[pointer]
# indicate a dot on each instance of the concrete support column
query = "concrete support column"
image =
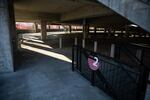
(60, 42)
(70, 29)
(43, 29)
(76, 41)
(49, 26)
(6, 35)
(95, 46)
(36, 27)
(85, 29)
(112, 51)
(95, 29)
(83, 43)
(84, 33)
(104, 30)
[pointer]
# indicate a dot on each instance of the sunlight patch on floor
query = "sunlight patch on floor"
(38, 44)
(47, 53)
(40, 41)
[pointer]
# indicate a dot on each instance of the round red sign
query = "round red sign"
(93, 62)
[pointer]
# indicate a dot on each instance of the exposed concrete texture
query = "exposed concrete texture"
(134, 10)
(54, 10)
(22, 15)
(12, 24)
(110, 20)
(36, 27)
(85, 31)
(43, 29)
(6, 60)
(85, 12)
(41, 77)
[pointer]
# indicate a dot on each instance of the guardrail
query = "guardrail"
(114, 77)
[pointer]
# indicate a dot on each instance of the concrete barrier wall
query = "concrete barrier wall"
(6, 60)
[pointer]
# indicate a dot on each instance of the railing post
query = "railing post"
(80, 58)
(73, 62)
(117, 51)
(77, 58)
(142, 83)
(139, 55)
(143, 78)
(92, 78)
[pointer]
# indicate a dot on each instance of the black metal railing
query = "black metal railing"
(114, 77)
(141, 67)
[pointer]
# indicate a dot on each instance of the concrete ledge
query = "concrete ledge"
(135, 11)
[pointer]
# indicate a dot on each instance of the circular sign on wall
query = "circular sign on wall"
(93, 62)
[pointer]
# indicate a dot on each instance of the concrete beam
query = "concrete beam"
(21, 15)
(134, 10)
(110, 19)
(6, 56)
(86, 12)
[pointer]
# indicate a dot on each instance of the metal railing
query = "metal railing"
(114, 77)
(143, 69)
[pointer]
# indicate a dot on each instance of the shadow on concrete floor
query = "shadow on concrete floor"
(41, 77)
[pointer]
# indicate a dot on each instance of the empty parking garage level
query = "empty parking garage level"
(74, 49)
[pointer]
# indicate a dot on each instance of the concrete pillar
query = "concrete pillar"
(36, 27)
(112, 51)
(85, 29)
(83, 43)
(6, 35)
(60, 42)
(70, 29)
(76, 41)
(104, 30)
(43, 29)
(95, 46)
(95, 29)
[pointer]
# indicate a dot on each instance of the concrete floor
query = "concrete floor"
(41, 77)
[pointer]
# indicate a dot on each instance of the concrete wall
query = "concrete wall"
(134, 10)
(6, 60)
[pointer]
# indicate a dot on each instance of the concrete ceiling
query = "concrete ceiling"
(62, 11)
(48, 6)
(66, 9)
